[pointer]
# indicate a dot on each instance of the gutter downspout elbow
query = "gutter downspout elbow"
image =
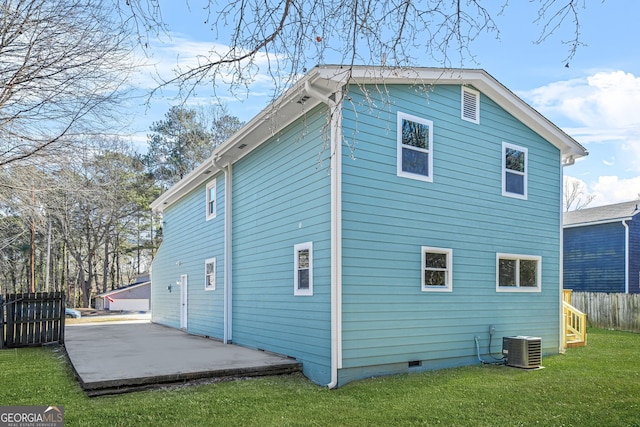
(336, 230)
(316, 94)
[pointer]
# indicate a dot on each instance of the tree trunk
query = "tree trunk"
(105, 266)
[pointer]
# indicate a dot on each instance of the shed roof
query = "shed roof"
(327, 80)
(602, 214)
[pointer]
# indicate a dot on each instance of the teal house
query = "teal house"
(372, 221)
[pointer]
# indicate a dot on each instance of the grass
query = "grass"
(597, 385)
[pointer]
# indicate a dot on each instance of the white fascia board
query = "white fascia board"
(600, 222)
(275, 117)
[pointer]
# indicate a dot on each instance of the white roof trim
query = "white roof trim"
(329, 79)
(602, 221)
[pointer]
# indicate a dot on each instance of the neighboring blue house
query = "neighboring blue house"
(602, 249)
(372, 221)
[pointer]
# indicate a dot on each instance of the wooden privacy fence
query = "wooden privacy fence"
(610, 311)
(32, 319)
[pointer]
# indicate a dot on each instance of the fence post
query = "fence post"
(1, 322)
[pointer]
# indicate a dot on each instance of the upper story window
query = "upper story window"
(210, 274)
(518, 273)
(211, 200)
(415, 147)
(303, 269)
(437, 269)
(514, 171)
(470, 105)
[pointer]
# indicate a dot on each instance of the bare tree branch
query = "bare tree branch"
(576, 195)
(281, 38)
(63, 68)
(552, 16)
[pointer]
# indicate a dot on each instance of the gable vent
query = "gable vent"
(470, 105)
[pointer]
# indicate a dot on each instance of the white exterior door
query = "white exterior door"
(183, 301)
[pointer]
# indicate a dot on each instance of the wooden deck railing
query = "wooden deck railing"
(575, 326)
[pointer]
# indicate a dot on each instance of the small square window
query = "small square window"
(518, 273)
(210, 274)
(303, 269)
(211, 200)
(437, 269)
(514, 171)
(414, 147)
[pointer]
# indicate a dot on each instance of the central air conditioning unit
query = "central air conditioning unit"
(522, 351)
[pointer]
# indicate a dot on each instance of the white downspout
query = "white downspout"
(335, 110)
(570, 161)
(626, 256)
(228, 255)
(227, 305)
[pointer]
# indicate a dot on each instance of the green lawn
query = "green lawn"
(597, 385)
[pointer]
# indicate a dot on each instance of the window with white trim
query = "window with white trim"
(514, 171)
(415, 147)
(518, 273)
(303, 269)
(437, 269)
(211, 200)
(210, 274)
(470, 105)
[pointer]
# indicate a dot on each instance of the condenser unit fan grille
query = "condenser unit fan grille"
(522, 351)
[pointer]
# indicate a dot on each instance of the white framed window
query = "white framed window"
(470, 105)
(415, 147)
(437, 271)
(303, 269)
(514, 170)
(211, 200)
(210, 274)
(518, 273)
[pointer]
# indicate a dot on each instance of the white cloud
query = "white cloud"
(604, 100)
(599, 111)
(600, 108)
(607, 190)
(612, 189)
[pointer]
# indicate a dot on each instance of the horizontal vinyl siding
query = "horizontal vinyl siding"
(282, 198)
(594, 258)
(386, 220)
(188, 240)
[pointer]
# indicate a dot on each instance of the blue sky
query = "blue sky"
(593, 100)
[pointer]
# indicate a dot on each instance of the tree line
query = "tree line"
(74, 197)
(81, 223)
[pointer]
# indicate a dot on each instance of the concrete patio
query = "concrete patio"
(120, 357)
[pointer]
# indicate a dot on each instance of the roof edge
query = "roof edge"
(329, 78)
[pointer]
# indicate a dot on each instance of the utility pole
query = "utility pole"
(33, 241)
(46, 277)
